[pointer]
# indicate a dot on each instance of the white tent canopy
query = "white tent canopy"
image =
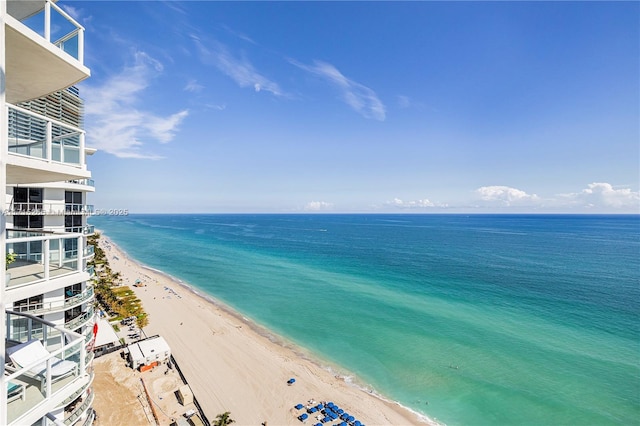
(105, 335)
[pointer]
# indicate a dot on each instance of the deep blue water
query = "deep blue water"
(491, 319)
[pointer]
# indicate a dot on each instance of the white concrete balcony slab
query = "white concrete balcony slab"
(44, 50)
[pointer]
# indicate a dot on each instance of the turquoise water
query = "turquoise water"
(468, 319)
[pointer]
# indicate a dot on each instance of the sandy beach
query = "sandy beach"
(232, 365)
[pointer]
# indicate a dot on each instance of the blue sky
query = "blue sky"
(416, 107)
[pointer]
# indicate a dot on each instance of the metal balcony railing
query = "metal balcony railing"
(39, 256)
(36, 136)
(57, 27)
(17, 209)
(86, 182)
(61, 305)
(36, 377)
(79, 320)
(79, 410)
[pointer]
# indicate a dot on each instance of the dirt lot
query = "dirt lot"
(120, 398)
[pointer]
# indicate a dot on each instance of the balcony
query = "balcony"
(79, 410)
(49, 307)
(80, 320)
(51, 209)
(42, 388)
(44, 50)
(41, 256)
(42, 149)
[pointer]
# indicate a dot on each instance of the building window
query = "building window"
(28, 221)
(73, 223)
(72, 290)
(73, 201)
(27, 199)
(30, 304)
(72, 313)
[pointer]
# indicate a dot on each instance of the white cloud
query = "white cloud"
(414, 204)
(114, 123)
(603, 195)
(359, 97)
(239, 70)
(506, 195)
(72, 11)
(193, 86)
(315, 206)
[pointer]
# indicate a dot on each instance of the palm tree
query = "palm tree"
(223, 419)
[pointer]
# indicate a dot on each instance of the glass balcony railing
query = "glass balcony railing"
(40, 256)
(77, 411)
(43, 362)
(36, 136)
(80, 320)
(51, 209)
(60, 305)
(57, 27)
(89, 251)
(86, 182)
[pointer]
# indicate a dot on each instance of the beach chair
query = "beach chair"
(27, 353)
(15, 391)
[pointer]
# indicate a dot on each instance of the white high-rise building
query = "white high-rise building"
(46, 293)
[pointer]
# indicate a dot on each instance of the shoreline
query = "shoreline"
(323, 373)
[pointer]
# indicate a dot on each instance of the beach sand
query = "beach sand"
(232, 365)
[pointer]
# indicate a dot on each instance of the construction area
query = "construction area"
(155, 396)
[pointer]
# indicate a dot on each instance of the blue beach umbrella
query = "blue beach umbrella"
(350, 419)
(299, 406)
(326, 419)
(291, 381)
(303, 416)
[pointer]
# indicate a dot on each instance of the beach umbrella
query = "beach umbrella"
(350, 419)
(340, 411)
(326, 419)
(357, 423)
(299, 406)
(291, 381)
(303, 416)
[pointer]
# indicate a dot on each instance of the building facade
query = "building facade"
(46, 293)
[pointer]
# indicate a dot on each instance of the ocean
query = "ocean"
(468, 319)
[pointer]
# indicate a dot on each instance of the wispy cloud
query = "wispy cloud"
(114, 123)
(316, 206)
(239, 69)
(193, 86)
(359, 97)
(414, 204)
